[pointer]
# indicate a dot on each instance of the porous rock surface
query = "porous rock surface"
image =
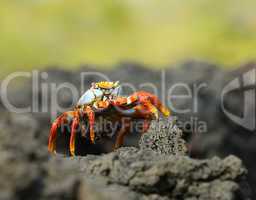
(164, 137)
(29, 172)
(151, 175)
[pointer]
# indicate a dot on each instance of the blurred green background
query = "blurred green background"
(39, 33)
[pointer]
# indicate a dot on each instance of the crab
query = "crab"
(103, 100)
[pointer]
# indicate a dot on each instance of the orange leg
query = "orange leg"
(54, 131)
(74, 127)
(53, 136)
(146, 98)
(125, 128)
(151, 109)
(158, 104)
(91, 117)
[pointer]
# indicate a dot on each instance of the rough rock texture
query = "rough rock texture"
(150, 174)
(29, 172)
(164, 137)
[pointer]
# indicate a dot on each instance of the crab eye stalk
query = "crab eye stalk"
(115, 92)
(93, 85)
(116, 84)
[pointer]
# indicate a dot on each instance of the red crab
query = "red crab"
(124, 111)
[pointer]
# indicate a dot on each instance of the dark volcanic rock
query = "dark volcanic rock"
(28, 172)
(170, 177)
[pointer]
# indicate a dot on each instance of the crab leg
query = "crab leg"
(164, 110)
(91, 117)
(74, 126)
(146, 98)
(152, 109)
(126, 124)
(53, 133)
(158, 104)
(53, 137)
